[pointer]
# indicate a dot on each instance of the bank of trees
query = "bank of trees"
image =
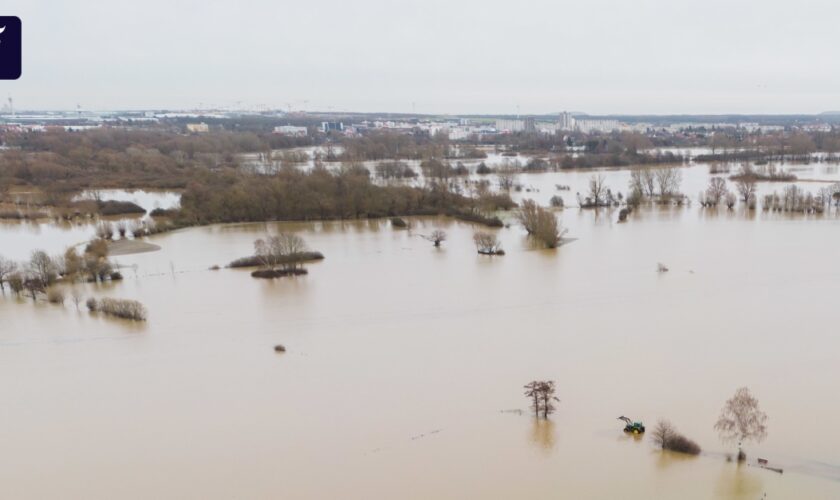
(41, 271)
(655, 183)
(319, 195)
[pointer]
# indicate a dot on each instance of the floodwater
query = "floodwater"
(405, 364)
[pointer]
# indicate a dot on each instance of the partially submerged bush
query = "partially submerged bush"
(398, 222)
(487, 244)
(255, 261)
(623, 213)
(478, 218)
(114, 207)
(278, 273)
(120, 308)
(665, 435)
(55, 296)
(540, 223)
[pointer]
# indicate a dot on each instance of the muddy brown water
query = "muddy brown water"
(404, 360)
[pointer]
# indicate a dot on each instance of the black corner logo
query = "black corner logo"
(10, 51)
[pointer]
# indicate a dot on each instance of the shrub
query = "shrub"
(122, 308)
(483, 169)
(398, 222)
(164, 212)
(254, 261)
(55, 296)
(682, 444)
(623, 213)
(114, 207)
(487, 244)
(278, 273)
(478, 218)
(92, 304)
(666, 436)
(556, 201)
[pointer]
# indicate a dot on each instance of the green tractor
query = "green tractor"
(632, 427)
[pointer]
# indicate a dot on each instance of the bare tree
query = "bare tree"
(262, 251)
(73, 262)
(527, 215)
(597, 189)
(648, 179)
(663, 433)
(290, 248)
(283, 249)
(716, 191)
(437, 237)
(105, 231)
(541, 223)
(507, 175)
(487, 243)
(43, 267)
(741, 420)
(668, 179)
(76, 296)
(33, 286)
(666, 436)
(7, 268)
(637, 183)
(730, 199)
(16, 283)
(746, 188)
(541, 393)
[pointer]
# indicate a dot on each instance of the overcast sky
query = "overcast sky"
(432, 56)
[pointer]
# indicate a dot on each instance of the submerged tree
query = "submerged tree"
(716, 191)
(746, 188)
(7, 268)
(541, 393)
(662, 433)
(487, 243)
(665, 436)
(741, 420)
(540, 223)
(437, 237)
(285, 249)
(668, 179)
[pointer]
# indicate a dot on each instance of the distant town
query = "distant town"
(305, 123)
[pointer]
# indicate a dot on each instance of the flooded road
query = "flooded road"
(405, 363)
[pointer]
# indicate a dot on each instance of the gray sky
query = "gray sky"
(435, 56)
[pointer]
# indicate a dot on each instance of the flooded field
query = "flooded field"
(405, 363)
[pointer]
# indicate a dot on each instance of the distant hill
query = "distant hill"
(830, 113)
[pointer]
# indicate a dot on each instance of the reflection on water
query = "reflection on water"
(739, 481)
(543, 434)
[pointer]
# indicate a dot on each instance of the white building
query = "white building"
(594, 125)
(508, 126)
(197, 128)
(565, 121)
(291, 131)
